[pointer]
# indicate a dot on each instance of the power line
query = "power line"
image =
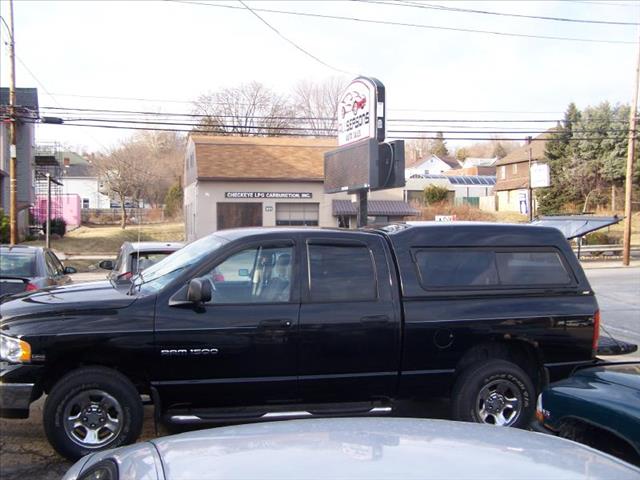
(412, 25)
(70, 110)
(486, 12)
(406, 137)
(291, 42)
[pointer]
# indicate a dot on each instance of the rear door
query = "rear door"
(349, 320)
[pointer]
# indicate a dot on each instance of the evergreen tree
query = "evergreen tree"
(439, 146)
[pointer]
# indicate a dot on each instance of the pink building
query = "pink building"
(68, 204)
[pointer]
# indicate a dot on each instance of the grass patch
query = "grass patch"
(96, 240)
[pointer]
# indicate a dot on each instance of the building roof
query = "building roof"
(452, 162)
(512, 184)
(479, 180)
(25, 97)
(521, 154)
(479, 162)
(389, 208)
(261, 158)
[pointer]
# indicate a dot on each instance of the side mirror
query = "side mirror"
(68, 270)
(106, 264)
(199, 291)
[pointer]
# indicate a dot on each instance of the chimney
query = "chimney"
(66, 162)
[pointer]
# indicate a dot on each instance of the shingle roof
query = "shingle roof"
(390, 208)
(259, 158)
(512, 184)
(521, 154)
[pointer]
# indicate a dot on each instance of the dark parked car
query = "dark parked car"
(354, 449)
(598, 406)
(26, 269)
(259, 323)
(136, 256)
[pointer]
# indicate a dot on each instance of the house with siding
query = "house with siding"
(512, 175)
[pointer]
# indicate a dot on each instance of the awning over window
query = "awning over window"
(387, 208)
(573, 226)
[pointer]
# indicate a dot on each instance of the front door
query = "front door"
(240, 214)
(241, 347)
(349, 326)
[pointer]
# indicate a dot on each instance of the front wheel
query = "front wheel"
(495, 392)
(92, 409)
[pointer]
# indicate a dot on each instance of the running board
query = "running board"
(191, 418)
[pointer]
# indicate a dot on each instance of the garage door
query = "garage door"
(234, 215)
(297, 214)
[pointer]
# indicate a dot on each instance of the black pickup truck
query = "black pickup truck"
(260, 323)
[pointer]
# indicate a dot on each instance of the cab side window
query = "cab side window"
(254, 275)
(341, 273)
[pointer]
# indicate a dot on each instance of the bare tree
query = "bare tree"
(249, 109)
(122, 176)
(162, 156)
(316, 104)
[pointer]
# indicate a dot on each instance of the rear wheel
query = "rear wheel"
(92, 409)
(495, 392)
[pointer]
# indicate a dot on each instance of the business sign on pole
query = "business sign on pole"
(540, 175)
(361, 111)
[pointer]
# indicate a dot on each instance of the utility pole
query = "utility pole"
(48, 224)
(631, 153)
(13, 180)
(530, 190)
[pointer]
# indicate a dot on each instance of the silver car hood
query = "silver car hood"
(371, 448)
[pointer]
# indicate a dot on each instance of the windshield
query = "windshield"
(162, 273)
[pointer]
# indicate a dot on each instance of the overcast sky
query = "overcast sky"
(170, 52)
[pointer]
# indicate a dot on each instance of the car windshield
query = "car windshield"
(17, 264)
(143, 260)
(162, 273)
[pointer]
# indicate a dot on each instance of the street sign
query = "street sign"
(361, 111)
(540, 175)
(445, 218)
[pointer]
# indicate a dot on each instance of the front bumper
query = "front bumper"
(15, 399)
(18, 388)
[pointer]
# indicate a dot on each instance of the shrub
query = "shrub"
(435, 194)
(58, 227)
(173, 201)
(599, 238)
(5, 228)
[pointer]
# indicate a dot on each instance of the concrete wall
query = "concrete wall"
(204, 195)
(509, 200)
(189, 212)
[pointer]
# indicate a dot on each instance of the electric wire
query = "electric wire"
(411, 25)
(428, 6)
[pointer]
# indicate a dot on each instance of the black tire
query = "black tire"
(110, 398)
(469, 401)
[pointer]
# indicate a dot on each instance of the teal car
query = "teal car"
(598, 406)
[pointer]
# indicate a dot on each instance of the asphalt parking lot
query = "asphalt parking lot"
(25, 452)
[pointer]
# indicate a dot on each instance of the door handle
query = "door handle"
(375, 319)
(275, 323)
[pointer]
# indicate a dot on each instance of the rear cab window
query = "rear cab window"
(497, 268)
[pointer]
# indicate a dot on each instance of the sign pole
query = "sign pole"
(362, 208)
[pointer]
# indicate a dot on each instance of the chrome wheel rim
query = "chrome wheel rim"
(499, 403)
(93, 418)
